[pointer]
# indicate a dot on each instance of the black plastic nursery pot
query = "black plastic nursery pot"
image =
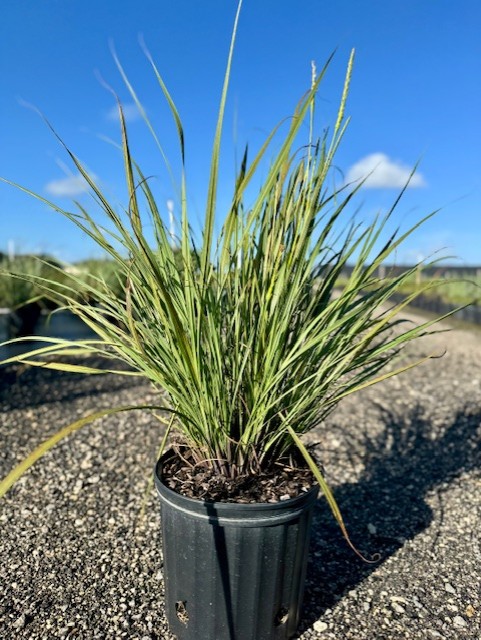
(23, 320)
(233, 571)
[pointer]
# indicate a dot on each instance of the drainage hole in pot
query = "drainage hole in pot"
(281, 617)
(181, 611)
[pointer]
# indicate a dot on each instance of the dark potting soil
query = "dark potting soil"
(275, 485)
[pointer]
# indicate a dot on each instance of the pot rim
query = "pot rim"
(228, 508)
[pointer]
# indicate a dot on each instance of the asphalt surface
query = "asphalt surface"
(78, 560)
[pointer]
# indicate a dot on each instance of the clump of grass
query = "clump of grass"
(94, 274)
(15, 292)
(244, 334)
(454, 291)
(20, 293)
(463, 292)
(456, 288)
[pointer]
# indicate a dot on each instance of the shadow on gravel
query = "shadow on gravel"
(406, 461)
(22, 386)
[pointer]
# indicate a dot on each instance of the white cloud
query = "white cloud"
(68, 187)
(131, 113)
(383, 173)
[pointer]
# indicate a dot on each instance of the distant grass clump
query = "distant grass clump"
(31, 284)
(461, 290)
(20, 292)
(455, 291)
(89, 275)
(14, 291)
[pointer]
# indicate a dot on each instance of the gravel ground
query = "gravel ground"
(78, 561)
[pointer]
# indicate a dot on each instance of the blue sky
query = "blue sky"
(415, 95)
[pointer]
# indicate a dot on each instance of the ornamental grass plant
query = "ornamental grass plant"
(14, 293)
(21, 299)
(247, 333)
